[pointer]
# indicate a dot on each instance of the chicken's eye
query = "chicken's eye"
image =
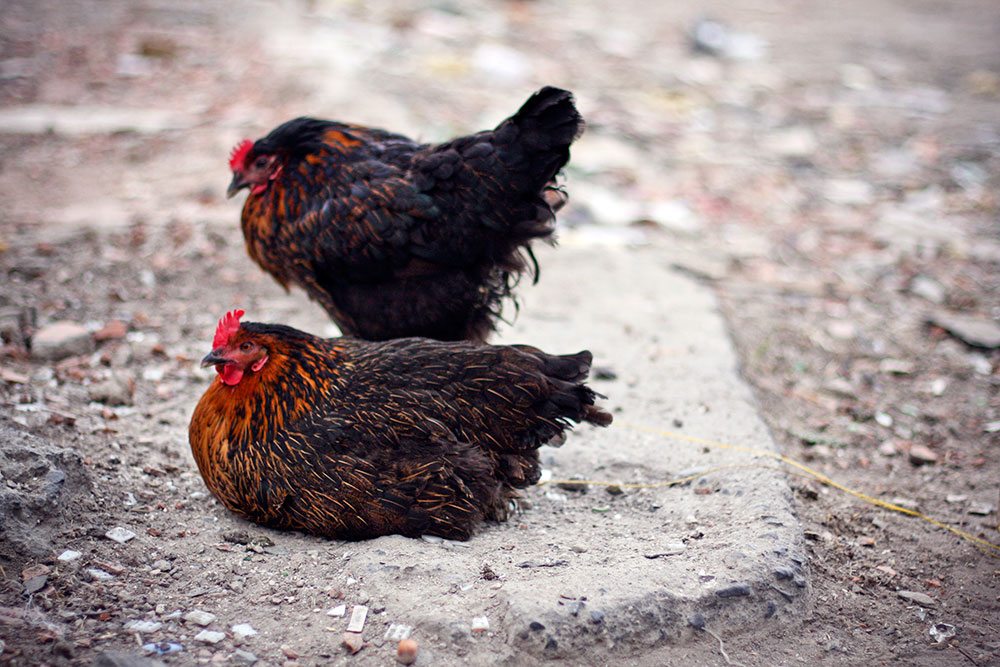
(260, 162)
(246, 347)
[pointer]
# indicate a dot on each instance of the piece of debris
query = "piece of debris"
(480, 623)
(359, 613)
(199, 617)
(970, 329)
(339, 610)
(68, 556)
(60, 340)
(119, 534)
(244, 657)
(143, 626)
(921, 454)
(113, 330)
(397, 631)
(942, 632)
(353, 642)
(921, 599)
(162, 648)
(243, 630)
(210, 636)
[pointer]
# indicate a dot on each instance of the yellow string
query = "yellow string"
(986, 546)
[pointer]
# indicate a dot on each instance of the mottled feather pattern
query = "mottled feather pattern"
(358, 212)
(353, 439)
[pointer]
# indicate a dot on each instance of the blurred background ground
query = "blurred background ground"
(830, 169)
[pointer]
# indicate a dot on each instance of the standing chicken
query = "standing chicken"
(354, 439)
(395, 238)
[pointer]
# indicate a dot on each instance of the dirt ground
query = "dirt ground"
(831, 171)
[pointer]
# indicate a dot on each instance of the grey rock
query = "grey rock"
(199, 617)
(921, 599)
(971, 330)
(60, 340)
(243, 657)
(42, 487)
(739, 590)
(116, 390)
(210, 636)
(929, 289)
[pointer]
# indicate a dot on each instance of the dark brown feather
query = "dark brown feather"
(395, 238)
(353, 439)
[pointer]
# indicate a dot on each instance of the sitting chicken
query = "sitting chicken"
(395, 238)
(353, 439)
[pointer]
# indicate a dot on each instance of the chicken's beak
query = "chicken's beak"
(212, 359)
(237, 184)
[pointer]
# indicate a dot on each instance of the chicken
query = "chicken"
(394, 238)
(354, 439)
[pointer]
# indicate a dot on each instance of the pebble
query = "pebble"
(289, 652)
(60, 340)
(245, 657)
(920, 454)
(339, 610)
(921, 599)
(34, 584)
(792, 142)
(199, 617)
(243, 630)
(352, 641)
(210, 636)
(596, 616)
(119, 534)
(846, 192)
(975, 331)
(98, 574)
(116, 390)
(480, 624)
(143, 626)
(928, 289)
(162, 565)
(906, 503)
(68, 556)
(888, 448)
(883, 419)
(112, 330)
(406, 652)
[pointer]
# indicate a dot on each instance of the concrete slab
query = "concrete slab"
(583, 574)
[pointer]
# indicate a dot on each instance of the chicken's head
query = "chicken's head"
(234, 350)
(251, 168)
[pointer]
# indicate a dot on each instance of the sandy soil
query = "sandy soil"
(838, 189)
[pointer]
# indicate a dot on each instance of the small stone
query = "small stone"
(740, 590)
(888, 448)
(972, 330)
(920, 454)
(883, 419)
(162, 565)
(289, 652)
(60, 340)
(143, 626)
(210, 636)
(596, 616)
(116, 390)
(113, 330)
(921, 599)
(955, 498)
(119, 534)
(847, 192)
(352, 641)
(98, 574)
(906, 503)
(792, 142)
(339, 610)
(243, 630)
(842, 329)
(982, 509)
(244, 657)
(199, 617)
(888, 570)
(406, 652)
(480, 624)
(928, 289)
(397, 631)
(866, 541)
(34, 584)
(68, 556)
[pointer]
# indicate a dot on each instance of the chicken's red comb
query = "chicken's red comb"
(238, 155)
(228, 325)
